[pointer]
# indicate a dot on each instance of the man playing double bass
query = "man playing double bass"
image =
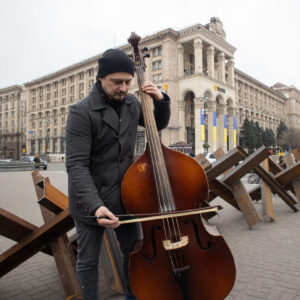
(100, 140)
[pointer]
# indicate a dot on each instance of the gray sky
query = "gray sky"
(39, 37)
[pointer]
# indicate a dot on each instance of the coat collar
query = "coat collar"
(98, 102)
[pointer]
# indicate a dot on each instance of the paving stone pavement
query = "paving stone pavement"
(267, 257)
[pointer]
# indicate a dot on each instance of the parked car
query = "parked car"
(29, 158)
(210, 157)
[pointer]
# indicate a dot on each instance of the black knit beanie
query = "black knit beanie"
(113, 61)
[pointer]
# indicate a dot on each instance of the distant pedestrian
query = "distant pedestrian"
(282, 162)
(62, 159)
(37, 161)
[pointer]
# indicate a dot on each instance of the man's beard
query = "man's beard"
(119, 96)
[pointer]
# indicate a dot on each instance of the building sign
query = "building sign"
(219, 89)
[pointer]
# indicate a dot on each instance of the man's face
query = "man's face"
(116, 85)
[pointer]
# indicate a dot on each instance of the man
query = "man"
(100, 139)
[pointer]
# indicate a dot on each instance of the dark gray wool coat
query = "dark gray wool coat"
(100, 148)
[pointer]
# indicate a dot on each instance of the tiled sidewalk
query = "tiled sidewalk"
(267, 257)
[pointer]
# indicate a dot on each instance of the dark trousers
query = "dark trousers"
(89, 239)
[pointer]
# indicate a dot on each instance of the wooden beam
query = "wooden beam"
(224, 163)
(267, 203)
(289, 199)
(289, 174)
(53, 199)
(239, 192)
(34, 242)
(15, 228)
(61, 248)
(246, 166)
(290, 161)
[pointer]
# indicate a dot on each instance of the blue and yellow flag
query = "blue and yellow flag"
(225, 129)
(214, 126)
(234, 130)
(202, 125)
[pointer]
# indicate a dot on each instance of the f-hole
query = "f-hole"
(208, 244)
(147, 256)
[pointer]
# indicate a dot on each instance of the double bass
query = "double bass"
(182, 257)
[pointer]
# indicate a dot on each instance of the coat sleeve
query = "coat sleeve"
(162, 113)
(78, 150)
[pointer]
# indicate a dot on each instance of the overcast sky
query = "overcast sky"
(39, 37)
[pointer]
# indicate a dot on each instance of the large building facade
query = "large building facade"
(12, 122)
(195, 66)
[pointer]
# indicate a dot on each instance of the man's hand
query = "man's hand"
(152, 90)
(109, 220)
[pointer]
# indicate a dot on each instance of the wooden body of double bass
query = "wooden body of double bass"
(211, 266)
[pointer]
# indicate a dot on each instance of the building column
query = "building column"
(28, 146)
(59, 130)
(211, 123)
(181, 121)
(221, 66)
(180, 61)
(198, 56)
(51, 135)
(232, 127)
(210, 52)
(44, 134)
(199, 126)
(230, 65)
(37, 145)
(221, 127)
(58, 144)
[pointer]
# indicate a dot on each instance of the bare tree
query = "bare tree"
(291, 138)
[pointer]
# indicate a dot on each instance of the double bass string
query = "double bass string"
(167, 202)
(165, 197)
(152, 152)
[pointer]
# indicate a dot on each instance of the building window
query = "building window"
(63, 81)
(63, 91)
(91, 72)
(140, 143)
(63, 101)
(81, 86)
(71, 99)
(91, 83)
(41, 106)
(81, 76)
(154, 66)
(71, 78)
(81, 95)
(157, 78)
(48, 104)
(156, 51)
(55, 94)
(72, 89)
(157, 65)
